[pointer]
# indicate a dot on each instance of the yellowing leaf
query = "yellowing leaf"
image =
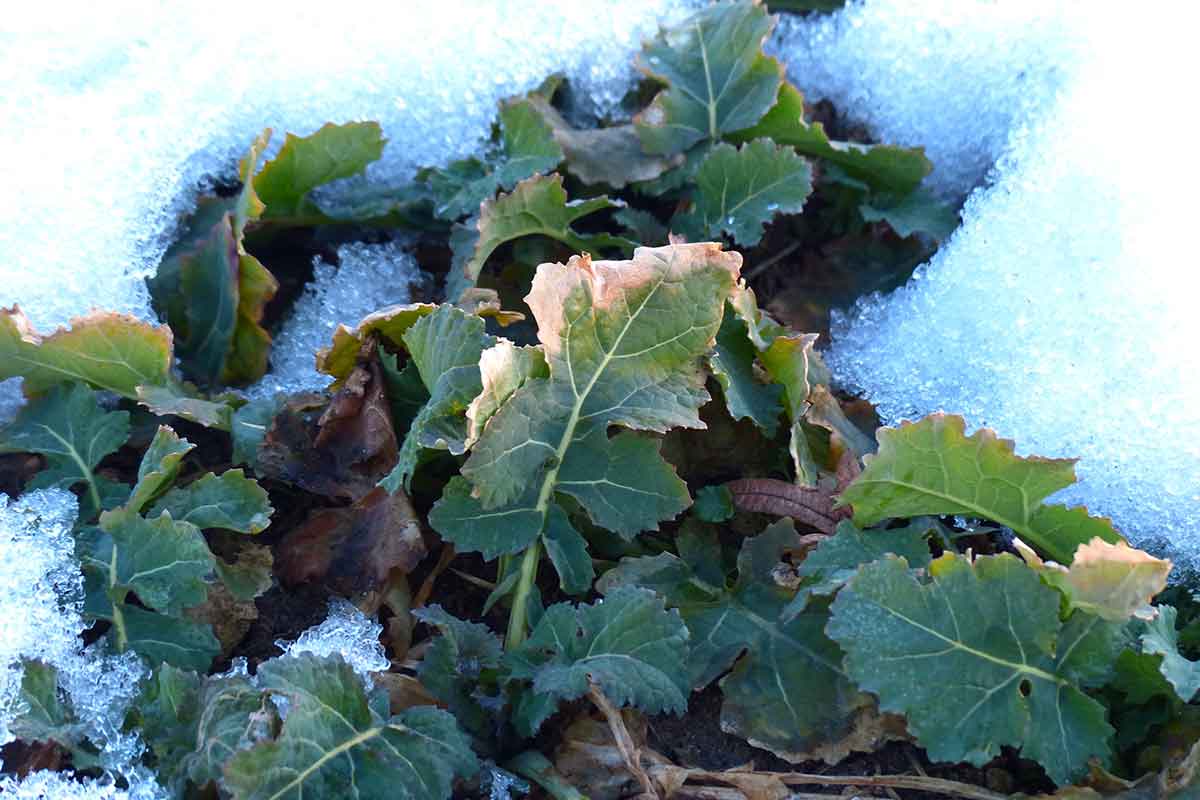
(388, 323)
(932, 467)
(109, 351)
(1112, 581)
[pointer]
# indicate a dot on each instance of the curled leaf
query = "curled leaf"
(1112, 581)
(813, 507)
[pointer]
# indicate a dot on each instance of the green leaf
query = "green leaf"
(629, 644)
(208, 278)
(790, 361)
(171, 640)
(611, 156)
(622, 341)
(714, 504)
(446, 347)
(787, 692)
(106, 350)
(528, 148)
(917, 212)
(568, 552)
(746, 395)
(229, 500)
(388, 324)
(641, 226)
(335, 744)
(159, 467)
(897, 170)
(48, 716)
(837, 558)
(537, 206)
(718, 79)
(454, 663)
(998, 669)
(236, 715)
(304, 163)
(165, 714)
(1161, 638)
(170, 400)
(248, 427)
(68, 427)
(932, 467)
(739, 190)
(504, 368)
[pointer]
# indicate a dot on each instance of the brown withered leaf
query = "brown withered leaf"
(811, 507)
(345, 449)
(352, 550)
(229, 617)
(404, 691)
(590, 760)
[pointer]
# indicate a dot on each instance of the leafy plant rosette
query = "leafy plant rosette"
(639, 444)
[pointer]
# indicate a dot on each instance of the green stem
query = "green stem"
(520, 606)
(536, 767)
(118, 616)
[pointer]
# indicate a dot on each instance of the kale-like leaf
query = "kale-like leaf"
(718, 80)
(787, 691)
(337, 742)
(932, 467)
(629, 644)
(454, 665)
(1160, 638)
(229, 500)
(305, 162)
(977, 658)
(747, 395)
(68, 427)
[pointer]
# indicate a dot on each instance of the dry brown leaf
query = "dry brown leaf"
(353, 550)
(229, 617)
(590, 760)
(809, 506)
(404, 691)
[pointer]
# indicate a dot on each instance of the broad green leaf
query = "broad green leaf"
(446, 347)
(159, 467)
(1160, 638)
(898, 170)
(453, 665)
(629, 644)
(835, 560)
(536, 206)
(747, 396)
(406, 392)
(165, 713)
(504, 367)
(336, 744)
(68, 427)
(714, 504)
(789, 360)
(977, 658)
(106, 350)
(641, 226)
(739, 190)
(1113, 581)
(717, 78)
(622, 341)
(304, 163)
(161, 639)
(568, 552)
(208, 278)
(229, 500)
(787, 691)
(388, 324)
(248, 427)
(932, 467)
(170, 400)
(527, 148)
(163, 561)
(236, 715)
(47, 715)
(611, 156)
(917, 212)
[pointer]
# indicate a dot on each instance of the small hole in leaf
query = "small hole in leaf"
(1026, 688)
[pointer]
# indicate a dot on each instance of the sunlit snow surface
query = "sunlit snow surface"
(1063, 312)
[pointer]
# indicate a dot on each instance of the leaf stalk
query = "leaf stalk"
(519, 614)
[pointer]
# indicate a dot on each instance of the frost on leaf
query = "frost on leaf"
(622, 342)
(106, 350)
(717, 78)
(932, 467)
(526, 148)
(454, 663)
(884, 167)
(538, 206)
(977, 658)
(629, 645)
(786, 691)
(337, 741)
(1113, 581)
(68, 427)
(739, 190)
(229, 500)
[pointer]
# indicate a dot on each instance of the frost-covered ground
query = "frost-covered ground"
(1061, 313)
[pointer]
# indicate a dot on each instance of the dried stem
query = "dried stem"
(629, 751)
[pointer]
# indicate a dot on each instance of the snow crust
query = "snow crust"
(347, 632)
(1062, 313)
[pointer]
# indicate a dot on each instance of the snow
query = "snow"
(117, 112)
(346, 632)
(1062, 312)
(334, 296)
